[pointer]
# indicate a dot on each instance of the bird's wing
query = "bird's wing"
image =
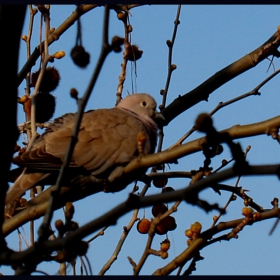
(107, 137)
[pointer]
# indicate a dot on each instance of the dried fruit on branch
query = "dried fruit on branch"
(50, 79)
(80, 57)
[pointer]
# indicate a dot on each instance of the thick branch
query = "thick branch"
(202, 92)
(235, 132)
(134, 202)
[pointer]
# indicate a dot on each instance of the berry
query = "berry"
(121, 16)
(189, 233)
(160, 183)
(59, 225)
(165, 225)
(164, 255)
(167, 189)
(133, 53)
(196, 227)
(165, 245)
(247, 211)
(203, 122)
(143, 226)
(159, 209)
(80, 57)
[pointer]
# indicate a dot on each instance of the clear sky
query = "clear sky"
(209, 38)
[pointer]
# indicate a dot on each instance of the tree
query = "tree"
(200, 182)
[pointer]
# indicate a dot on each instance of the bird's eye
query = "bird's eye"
(143, 103)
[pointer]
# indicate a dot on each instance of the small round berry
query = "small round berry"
(80, 57)
(247, 211)
(165, 225)
(203, 122)
(196, 227)
(160, 183)
(170, 223)
(133, 53)
(121, 16)
(165, 245)
(143, 226)
(189, 233)
(59, 225)
(74, 93)
(159, 209)
(164, 255)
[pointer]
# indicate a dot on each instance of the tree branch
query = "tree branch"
(54, 36)
(202, 92)
(235, 132)
(70, 194)
(134, 202)
(201, 242)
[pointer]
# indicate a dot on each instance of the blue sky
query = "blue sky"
(209, 38)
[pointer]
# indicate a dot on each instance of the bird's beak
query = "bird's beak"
(158, 118)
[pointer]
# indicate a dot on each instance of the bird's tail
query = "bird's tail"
(23, 183)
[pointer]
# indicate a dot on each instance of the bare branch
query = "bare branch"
(235, 132)
(202, 92)
(201, 242)
(54, 36)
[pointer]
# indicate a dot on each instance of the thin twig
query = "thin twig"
(105, 50)
(89, 265)
(100, 233)
(202, 241)
(84, 265)
(239, 192)
(127, 45)
(53, 37)
(254, 91)
(230, 199)
(112, 216)
(203, 91)
(124, 235)
(41, 74)
(171, 68)
(151, 233)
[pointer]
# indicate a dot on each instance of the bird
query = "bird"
(107, 141)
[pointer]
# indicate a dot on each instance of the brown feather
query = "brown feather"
(107, 141)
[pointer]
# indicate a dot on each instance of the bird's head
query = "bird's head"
(142, 104)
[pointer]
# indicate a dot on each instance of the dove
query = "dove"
(107, 141)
